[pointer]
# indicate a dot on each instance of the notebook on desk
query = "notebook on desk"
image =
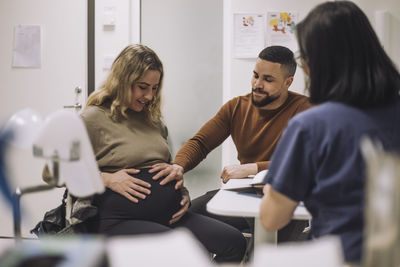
(252, 185)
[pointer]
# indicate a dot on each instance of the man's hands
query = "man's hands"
(172, 172)
(238, 171)
(126, 185)
(185, 202)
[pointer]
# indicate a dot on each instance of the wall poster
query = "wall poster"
(27, 43)
(280, 29)
(248, 35)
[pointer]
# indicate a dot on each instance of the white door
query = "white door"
(46, 88)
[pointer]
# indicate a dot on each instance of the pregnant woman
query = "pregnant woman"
(123, 120)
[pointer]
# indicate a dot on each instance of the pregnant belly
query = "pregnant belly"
(159, 206)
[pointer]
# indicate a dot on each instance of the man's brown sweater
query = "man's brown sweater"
(254, 130)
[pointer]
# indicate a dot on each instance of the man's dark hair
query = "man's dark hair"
(345, 59)
(281, 55)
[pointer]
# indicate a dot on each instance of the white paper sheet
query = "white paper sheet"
(245, 182)
(26, 52)
(237, 183)
(249, 35)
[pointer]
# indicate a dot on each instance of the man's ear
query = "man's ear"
(289, 81)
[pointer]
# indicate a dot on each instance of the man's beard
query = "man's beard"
(266, 100)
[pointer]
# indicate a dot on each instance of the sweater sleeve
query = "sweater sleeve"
(211, 135)
(262, 165)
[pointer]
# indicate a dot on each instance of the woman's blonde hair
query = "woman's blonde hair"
(130, 66)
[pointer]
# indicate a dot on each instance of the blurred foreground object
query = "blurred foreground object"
(382, 229)
(154, 250)
(325, 251)
(62, 140)
(72, 251)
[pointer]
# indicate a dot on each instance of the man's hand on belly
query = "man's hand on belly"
(185, 205)
(171, 171)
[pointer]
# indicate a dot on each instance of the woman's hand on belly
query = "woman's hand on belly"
(171, 171)
(123, 183)
(185, 205)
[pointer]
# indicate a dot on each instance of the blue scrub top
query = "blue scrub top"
(318, 161)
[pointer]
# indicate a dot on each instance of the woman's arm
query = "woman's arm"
(123, 183)
(276, 209)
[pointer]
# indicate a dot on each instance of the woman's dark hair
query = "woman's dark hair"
(345, 59)
(281, 55)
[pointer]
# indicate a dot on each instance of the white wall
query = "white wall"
(237, 72)
(371, 8)
(187, 35)
(45, 89)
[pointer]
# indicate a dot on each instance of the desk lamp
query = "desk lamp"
(62, 140)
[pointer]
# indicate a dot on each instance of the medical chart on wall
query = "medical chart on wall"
(26, 51)
(280, 29)
(249, 35)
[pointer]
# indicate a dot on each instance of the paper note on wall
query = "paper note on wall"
(281, 29)
(249, 35)
(26, 52)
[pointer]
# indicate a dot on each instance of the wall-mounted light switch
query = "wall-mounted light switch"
(109, 16)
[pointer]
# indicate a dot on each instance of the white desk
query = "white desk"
(230, 203)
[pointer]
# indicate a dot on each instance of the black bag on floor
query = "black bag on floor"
(53, 220)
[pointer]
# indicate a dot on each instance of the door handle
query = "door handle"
(76, 106)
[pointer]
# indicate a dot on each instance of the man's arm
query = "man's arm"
(185, 203)
(262, 165)
(211, 135)
(238, 171)
(242, 170)
(276, 209)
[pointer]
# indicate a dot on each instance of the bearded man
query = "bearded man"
(255, 122)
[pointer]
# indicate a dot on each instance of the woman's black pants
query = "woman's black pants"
(119, 216)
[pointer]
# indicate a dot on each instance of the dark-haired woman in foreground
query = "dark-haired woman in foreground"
(318, 160)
